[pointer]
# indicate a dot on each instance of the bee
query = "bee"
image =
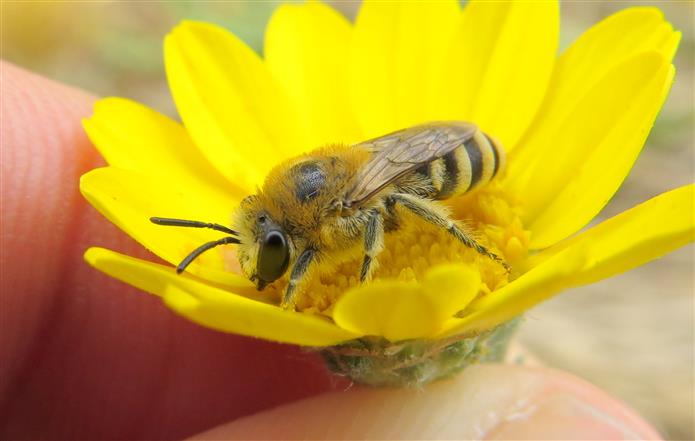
(337, 201)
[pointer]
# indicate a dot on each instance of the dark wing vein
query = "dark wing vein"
(398, 153)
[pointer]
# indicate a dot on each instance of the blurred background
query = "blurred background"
(633, 335)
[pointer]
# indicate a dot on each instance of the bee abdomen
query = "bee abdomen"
(473, 164)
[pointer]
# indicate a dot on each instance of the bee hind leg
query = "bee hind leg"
(430, 214)
(373, 244)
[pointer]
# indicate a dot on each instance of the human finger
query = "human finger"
(484, 402)
(84, 356)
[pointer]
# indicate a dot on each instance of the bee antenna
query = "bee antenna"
(203, 248)
(191, 224)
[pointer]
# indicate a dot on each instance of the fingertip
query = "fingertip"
(485, 402)
(567, 407)
(44, 150)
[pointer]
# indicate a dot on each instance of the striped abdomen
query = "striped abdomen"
(473, 164)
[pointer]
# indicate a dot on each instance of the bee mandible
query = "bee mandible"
(337, 201)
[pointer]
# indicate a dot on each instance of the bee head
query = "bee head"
(265, 249)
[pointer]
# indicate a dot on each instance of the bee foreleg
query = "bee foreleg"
(424, 211)
(298, 271)
(373, 244)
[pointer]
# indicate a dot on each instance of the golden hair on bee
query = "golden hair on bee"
(339, 201)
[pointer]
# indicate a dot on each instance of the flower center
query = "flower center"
(488, 214)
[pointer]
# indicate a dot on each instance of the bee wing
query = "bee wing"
(398, 153)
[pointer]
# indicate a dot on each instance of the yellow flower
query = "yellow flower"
(573, 126)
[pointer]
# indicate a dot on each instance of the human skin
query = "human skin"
(87, 357)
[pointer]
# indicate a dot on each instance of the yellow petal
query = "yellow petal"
(599, 50)
(451, 287)
(586, 158)
(307, 49)
(129, 199)
(499, 65)
(400, 310)
(133, 137)
(233, 108)
(397, 49)
(623, 242)
(216, 308)
(550, 153)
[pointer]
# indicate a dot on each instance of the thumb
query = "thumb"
(485, 402)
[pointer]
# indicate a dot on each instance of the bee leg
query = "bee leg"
(298, 271)
(422, 209)
(373, 244)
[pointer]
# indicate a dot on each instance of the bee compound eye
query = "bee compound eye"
(273, 256)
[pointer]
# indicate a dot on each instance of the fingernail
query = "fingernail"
(566, 416)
